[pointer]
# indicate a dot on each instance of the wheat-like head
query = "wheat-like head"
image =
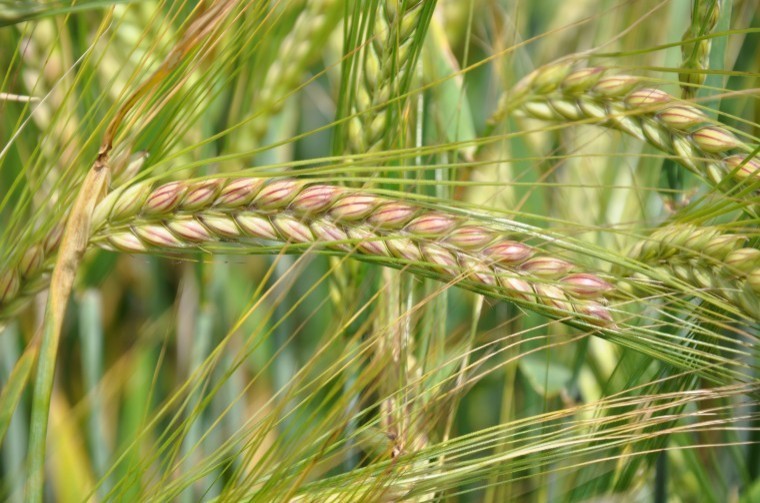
(626, 103)
(191, 214)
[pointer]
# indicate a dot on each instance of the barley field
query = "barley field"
(381, 250)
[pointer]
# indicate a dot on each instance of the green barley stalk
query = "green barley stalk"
(624, 102)
(194, 214)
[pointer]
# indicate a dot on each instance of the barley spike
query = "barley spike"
(626, 103)
(387, 60)
(381, 229)
(707, 258)
(695, 51)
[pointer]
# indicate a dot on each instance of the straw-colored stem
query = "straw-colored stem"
(73, 244)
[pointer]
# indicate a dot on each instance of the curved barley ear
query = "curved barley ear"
(629, 104)
(191, 214)
(707, 258)
(299, 216)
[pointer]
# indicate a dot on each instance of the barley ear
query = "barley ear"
(626, 103)
(184, 215)
(695, 48)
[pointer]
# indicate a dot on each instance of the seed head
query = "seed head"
(553, 296)
(277, 194)
(53, 238)
(566, 108)
(392, 215)
(222, 225)
(469, 237)
(256, 226)
(720, 246)
(700, 277)
(404, 248)
(315, 199)
(509, 252)
(477, 271)
(441, 259)
(31, 261)
(519, 287)
(753, 280)
(127, 203)
(548, 78)
(292, 230)
(657, 134)
(743, 259)
(647, 97)
(158, 235)
(616, 86)
(431, 224)
(591, 108)
(367, 241)
(354, 207)
(189, 229)
(699, 239)
(9, 285)
(201, 195)
(127, 242)
(597, 314)
(743, 168)
(539, 110)
(583, 79)
(128, 170)
(328, 232)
